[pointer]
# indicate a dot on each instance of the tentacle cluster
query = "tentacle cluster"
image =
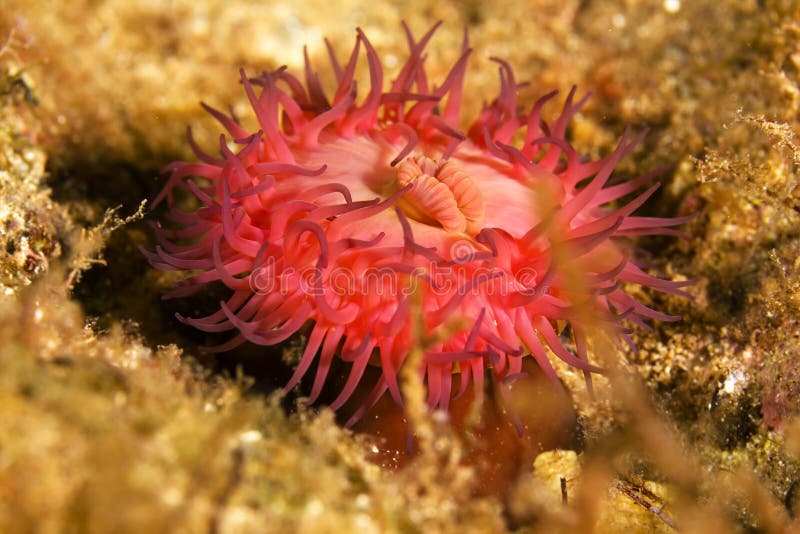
(284, 222)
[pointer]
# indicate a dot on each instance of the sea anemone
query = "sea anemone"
(341, 217)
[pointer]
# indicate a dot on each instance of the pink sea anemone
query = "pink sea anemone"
(343, 216)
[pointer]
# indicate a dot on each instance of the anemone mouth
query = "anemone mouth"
(337, 210)
(441, 193)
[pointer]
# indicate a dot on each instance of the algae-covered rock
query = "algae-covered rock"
(556, 493)
(30, 221)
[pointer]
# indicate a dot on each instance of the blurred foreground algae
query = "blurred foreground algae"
(105, 434)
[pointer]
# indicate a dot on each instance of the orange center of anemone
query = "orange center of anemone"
(441, 193)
